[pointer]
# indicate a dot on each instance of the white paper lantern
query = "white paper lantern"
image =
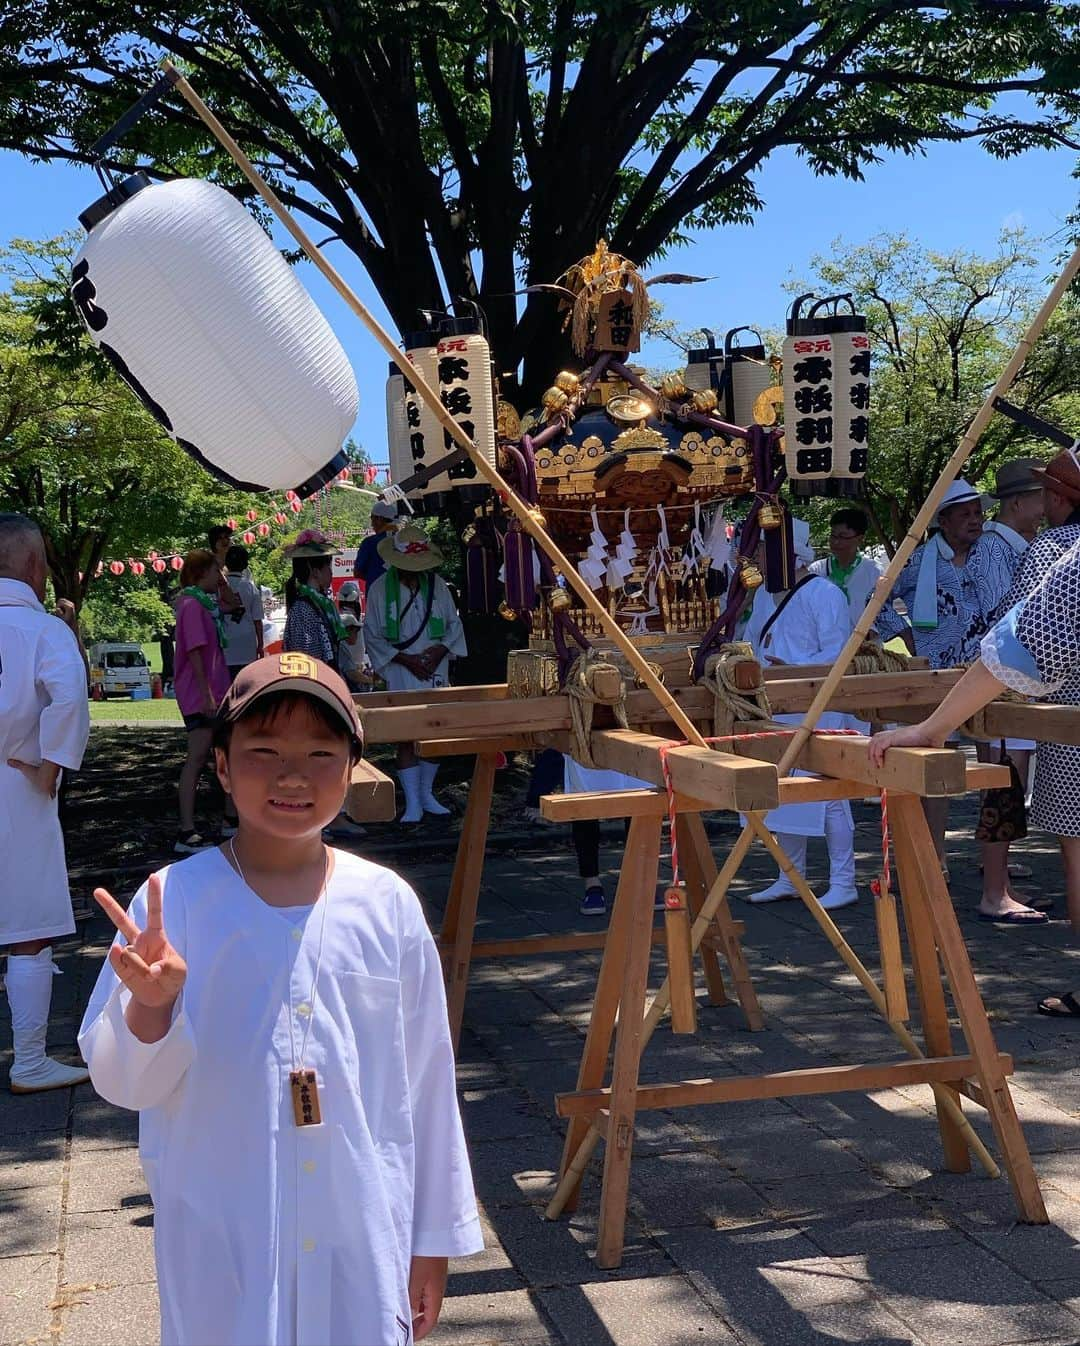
(463, 378)
(703, 367)
(747, 373)
(808, 406)
(425, 432)
(397, 429)
(197, 310)
(851, 402)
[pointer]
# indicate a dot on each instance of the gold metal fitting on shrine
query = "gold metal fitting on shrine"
(567, 381)
(750, 577)
(705, 399)
(555, 401)
(468, 533)
(770, 515)
(538, 518)
(672, 385)
(560, 600)
(506, 612)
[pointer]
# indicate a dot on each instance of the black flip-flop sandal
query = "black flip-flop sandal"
(1071, 1010)
(1014, 917)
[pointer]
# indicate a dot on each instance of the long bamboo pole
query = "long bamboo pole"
(530, 519)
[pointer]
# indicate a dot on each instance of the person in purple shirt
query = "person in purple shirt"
(369, 565)
(201, 679)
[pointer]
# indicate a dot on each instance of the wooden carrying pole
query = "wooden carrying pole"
(529, 518)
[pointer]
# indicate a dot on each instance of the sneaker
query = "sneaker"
(593, 904)
(188, 843)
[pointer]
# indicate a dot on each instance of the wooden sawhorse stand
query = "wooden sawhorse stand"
(937, 948)
(456, 938)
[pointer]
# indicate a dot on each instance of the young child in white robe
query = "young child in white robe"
(274, 1009)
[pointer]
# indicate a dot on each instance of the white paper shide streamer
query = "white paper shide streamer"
(197, 310)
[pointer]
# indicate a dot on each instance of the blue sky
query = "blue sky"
(954, 196)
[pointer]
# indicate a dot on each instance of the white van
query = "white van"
(118, 670)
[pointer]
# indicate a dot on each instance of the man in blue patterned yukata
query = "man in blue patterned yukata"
(948, 588)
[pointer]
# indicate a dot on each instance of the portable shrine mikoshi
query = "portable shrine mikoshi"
(822, 448)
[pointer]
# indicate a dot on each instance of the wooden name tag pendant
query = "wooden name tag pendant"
(305, 1098)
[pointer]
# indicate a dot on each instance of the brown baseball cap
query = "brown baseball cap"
(291, 672)
(1062, 474)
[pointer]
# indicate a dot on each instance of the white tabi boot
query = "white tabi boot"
(795, 848)
(840, 839)
(29, 991)
(410, 783)
(428, 802)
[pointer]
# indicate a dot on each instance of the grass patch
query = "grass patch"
(135, 712)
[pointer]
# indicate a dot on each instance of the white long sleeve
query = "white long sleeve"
(127, 1072)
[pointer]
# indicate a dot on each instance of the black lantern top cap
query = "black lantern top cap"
(117, 194)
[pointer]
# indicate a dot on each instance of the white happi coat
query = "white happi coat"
(860, 583)
(812, 629)
(44, 716)
(381, 653)
(265, 1232)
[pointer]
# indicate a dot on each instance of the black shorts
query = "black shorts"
(198, 721)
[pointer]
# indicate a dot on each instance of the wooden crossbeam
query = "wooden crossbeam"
(481, 691)
(927, 772)
(470, 747)
(1009, 719)
(371, 795)
(720, 778)
(781, 1084)
(615, 804)
(525, 946)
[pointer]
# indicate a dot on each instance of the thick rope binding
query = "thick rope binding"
(733, 699)
(593, 680)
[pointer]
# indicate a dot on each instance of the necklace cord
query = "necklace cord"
(298, 1064)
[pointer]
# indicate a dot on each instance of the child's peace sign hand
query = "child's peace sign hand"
(148, 966)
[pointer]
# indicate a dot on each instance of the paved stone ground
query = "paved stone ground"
(808, 1222)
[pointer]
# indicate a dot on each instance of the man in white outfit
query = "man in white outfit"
(44, 727)
(809, 624)
(412, 630)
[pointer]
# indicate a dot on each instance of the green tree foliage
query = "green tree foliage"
(465, 148)
(943, 326)
(79, 454)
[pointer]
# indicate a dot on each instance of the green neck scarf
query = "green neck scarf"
(203, 598)
(326, 607)
(436, 627)
(841, 574)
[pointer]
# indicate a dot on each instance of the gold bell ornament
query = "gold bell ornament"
(555, 401)
(567, 381)
(749, 575)
(560, 600)
(507, 613)
(705, 400)
(673, 385)
(770, 515)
